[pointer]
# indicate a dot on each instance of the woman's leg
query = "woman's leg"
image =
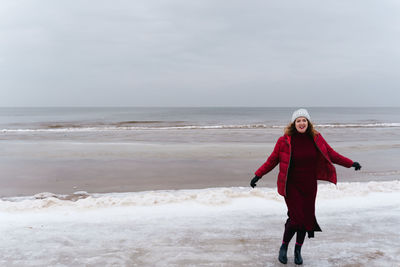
(297, 248)
(289, 232)
(301, 235)
(287, 236)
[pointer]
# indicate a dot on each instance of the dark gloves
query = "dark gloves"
(254, 181)
(356, 165)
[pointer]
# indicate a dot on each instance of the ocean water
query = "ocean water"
(180, 125)
(92, 118)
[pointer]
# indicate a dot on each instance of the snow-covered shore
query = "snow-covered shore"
(208, 227)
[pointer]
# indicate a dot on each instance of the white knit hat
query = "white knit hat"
(300, 113)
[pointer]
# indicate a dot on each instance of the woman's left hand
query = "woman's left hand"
(356, 165)
(254, 181)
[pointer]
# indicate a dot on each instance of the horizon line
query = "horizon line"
(222, 106)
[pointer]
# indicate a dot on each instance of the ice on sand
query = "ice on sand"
(208, 227)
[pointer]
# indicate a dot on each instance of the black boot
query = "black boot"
(283, 253)
(297, 255)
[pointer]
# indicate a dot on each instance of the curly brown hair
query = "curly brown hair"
(291, 129)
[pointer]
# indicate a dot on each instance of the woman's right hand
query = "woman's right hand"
(356, 165)
(254, 181)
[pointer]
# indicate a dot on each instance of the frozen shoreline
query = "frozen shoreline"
(208, 227)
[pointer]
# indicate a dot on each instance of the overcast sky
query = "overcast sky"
(200, 53)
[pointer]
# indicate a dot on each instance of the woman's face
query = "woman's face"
(301, 124)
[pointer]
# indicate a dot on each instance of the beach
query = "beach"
(170, 187)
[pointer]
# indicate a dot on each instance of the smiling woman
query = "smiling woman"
(304, 158)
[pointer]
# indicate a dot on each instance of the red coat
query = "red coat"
(281, 154)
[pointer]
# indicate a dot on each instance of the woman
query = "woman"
(304, 157)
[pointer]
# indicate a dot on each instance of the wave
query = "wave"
(127, 128)
(124, 126)
(360, 125)
(209, 196)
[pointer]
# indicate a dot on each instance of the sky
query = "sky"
(200, 53)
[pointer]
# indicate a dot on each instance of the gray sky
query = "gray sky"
(200, 53)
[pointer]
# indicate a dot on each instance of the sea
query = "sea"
(164, 186)
(97, 119)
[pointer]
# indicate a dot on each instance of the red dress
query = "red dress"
(301, 185)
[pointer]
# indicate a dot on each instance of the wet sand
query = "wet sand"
(64, 167)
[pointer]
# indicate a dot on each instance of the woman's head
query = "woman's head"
(301, 123)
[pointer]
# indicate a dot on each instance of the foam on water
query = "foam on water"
(102, 128)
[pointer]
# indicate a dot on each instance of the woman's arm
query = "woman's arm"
(336, 157)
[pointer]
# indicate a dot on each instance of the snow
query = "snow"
(207, 227)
